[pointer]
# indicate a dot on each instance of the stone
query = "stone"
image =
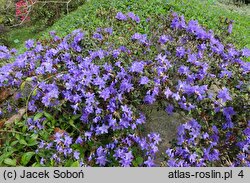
(164, 124)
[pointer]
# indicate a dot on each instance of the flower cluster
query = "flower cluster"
(181, 66)
(22, 9)
(62, 142)
(188, 151)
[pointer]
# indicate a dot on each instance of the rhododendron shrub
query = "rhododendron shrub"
(22, 10)
(85, 93)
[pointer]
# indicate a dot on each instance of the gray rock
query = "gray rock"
(164, 124)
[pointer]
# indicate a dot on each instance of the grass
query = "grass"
(94, 14)
(210, 14)
(17, 36)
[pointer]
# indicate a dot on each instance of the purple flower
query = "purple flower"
(247, 132)
(109, 30)
(79, 140)
(126, 86)
(133, 17)
(192, 58)
(180, 52)
(121, 16)
(38, 48)
(192, 157)
(102, 129)
(78, 36)
(224, 95)
(140, 37)
(202, 47)
(67, 141)
(76, 155)
(214, 155)
(192, 26)
(29, 44)
(41, 144)
(98, 36)
(201, 34)
(228, 124)
(215, 129)
(182, 22)
(99, 82)
(126, 159)
(175, 23)
(169, 109)
(126, 109)
(141, 119)
(228, 112)
(226, 73)
(101, 156)
(105, 93)
(170, 152)
(4, 49)
(155, 137)
(164, 38)
(101, 160)
(230, 27)
(32, 107)
(144, 80)
(205, 135)
(149, 99)
(5, 53)
(116, 53)
(246, 52)
(171, 163)
(58, 137)
(42, 161)
(149, 162)
(176, 96)
(183, 70)
(49, 145)
(137, 67)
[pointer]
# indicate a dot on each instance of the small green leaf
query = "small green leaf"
(36, 165)
(26, 158)
(22, 85)
(32, 142)
(48, 116)
(28, 79)
(139, 160)
(71, 122)
(22, 141)
(17, 136)
(75, 117)
(34, 92)
(34, 136)
(199, 151)
(134, 163)
(11, 162)
(16, 41)
(38, 116)
(75, 164)
(14, 143)
(5, 155)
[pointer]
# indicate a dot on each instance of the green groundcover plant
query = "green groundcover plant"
(95, 13)
(83, 93)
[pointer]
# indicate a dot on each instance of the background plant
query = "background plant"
(210, 14)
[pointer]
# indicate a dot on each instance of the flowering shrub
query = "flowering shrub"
(85, 92)
(22, 10)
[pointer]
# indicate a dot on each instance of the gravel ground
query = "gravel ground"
(227, 4)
